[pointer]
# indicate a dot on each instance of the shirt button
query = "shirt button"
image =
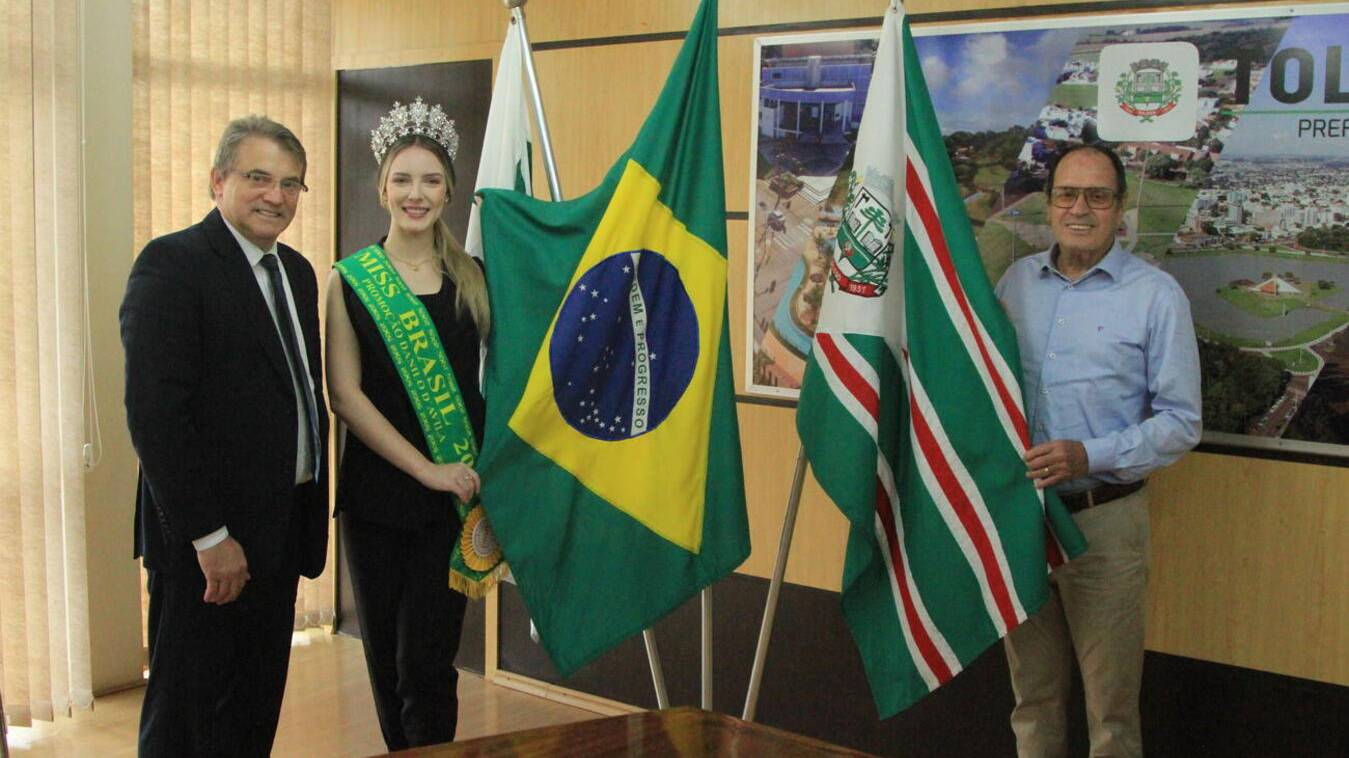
(1060, 320)
(1044, 392)
(1053, 355)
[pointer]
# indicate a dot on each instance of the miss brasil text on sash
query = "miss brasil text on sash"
(417, 353)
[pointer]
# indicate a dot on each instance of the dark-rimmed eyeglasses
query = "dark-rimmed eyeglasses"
(261, 181)
(1098, 198)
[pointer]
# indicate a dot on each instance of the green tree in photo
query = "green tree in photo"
(1326, 238)
(1238, 386)
(1317, 419)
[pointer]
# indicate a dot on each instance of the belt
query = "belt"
(1080, 501)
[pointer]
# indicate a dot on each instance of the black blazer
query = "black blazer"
(211, 406)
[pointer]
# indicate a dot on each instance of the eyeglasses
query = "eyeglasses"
(260, 181)
(1098, 198)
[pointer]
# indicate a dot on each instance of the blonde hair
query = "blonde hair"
(469, 284)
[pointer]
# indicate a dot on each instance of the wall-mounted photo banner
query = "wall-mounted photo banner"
(1234, 129)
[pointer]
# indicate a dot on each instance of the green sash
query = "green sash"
(413, 344)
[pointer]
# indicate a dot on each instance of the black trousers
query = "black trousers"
(410, 625)
(217, 672)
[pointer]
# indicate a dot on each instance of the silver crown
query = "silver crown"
(416, 118)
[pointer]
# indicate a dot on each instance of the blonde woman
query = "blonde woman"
(399, 520)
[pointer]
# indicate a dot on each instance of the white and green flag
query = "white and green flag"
(505, 161)
(911, 410)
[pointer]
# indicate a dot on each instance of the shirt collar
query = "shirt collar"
(251, 251)
(1112, 264)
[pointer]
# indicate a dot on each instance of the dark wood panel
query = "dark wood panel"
(814, 685)
(463, 89)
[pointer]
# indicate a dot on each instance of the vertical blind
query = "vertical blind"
(44, 608)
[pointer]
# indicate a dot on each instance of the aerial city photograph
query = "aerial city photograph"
(1250, 214)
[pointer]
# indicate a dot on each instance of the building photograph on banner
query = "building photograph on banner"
(1233, 126)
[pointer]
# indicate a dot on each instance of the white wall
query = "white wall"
(114, 578)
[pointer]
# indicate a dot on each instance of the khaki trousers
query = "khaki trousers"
(1095, 613)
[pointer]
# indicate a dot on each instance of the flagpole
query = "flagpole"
(775, 585)
(555, 190)
(657, 675)
(536, 96)
(706, 701)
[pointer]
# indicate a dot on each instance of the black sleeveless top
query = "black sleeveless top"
(369, 487)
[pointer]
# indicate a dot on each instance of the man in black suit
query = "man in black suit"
(224, 399)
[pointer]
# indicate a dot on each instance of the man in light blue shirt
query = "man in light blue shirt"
(1111, 374)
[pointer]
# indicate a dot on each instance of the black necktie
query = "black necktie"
(285, 320)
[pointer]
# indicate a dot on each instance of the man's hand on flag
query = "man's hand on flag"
(1056, 461)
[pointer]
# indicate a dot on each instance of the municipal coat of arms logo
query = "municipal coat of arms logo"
(1149, 89)
(862, 264)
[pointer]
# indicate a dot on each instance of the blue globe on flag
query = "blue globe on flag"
(624, 346)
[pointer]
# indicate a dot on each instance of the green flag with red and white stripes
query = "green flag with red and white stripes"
(911, 411)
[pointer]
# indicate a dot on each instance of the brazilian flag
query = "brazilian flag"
(611, 461)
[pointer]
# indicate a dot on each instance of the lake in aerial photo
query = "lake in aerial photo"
(1203, 276)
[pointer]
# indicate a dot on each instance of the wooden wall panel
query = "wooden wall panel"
(590, 127)
(735, 58)
(372, 32)
(737, 259)
(591, 122)
(1249, 561)
(376, 33)
(607, 18)
(768, 445)
(1249, 565)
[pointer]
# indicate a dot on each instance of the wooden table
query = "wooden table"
(683, 732)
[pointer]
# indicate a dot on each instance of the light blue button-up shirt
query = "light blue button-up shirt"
(1109, 360)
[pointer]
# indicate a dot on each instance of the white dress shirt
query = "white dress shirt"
(303, 471)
